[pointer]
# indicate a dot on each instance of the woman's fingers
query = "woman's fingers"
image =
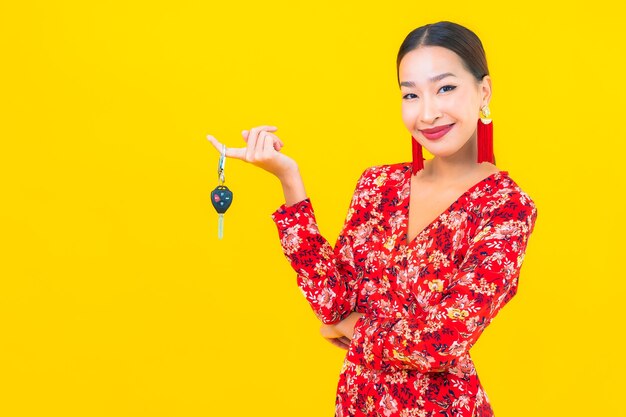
(262, 150)
(238, 153)
(255, 141)
(260, 145)
(255, 131)
(329, 330)
(272, 142)
(339, 342)
(268, 145)
(215, 142)
(346, 326)
(246, 133)
(277, 144)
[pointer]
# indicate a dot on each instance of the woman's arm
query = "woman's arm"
(293, 186)
(486, 280)
(327, 275)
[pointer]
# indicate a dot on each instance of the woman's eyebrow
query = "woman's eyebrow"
(431, 80)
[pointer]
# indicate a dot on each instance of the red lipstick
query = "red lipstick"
(436, 132)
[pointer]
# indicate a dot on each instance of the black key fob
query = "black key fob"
(221, 197)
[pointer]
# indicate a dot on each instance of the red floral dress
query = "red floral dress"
(425, 302)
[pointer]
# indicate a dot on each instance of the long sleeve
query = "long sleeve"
(327, 276)
(485, 281)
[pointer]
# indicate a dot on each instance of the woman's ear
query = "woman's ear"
(485, 90)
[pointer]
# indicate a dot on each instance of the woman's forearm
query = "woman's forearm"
(327, 275)
(293, 187)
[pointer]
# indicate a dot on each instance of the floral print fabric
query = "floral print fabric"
(425, 302)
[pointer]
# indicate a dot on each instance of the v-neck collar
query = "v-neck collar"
(406, 204)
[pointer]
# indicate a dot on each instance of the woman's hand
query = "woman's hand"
(262, 150)
(341, 332)
(346, 326)
(330, 333)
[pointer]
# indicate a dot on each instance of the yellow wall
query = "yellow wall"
(116, 297)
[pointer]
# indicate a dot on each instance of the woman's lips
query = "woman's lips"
(436, 132)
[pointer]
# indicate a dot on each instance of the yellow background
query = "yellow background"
(116, 297)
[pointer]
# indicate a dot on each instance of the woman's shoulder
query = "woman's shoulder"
(384, 172)
(510, 200)
(507, 185)
(387, 168)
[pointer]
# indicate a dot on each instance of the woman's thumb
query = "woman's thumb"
(244, 133)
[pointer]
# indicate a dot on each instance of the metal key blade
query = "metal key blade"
(220, 225)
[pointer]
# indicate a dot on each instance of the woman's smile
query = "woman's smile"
(437, 132)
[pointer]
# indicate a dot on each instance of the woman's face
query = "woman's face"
(430, 99)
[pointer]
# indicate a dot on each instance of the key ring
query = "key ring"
(221, 164)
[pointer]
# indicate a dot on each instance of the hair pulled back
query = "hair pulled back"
(452, 36)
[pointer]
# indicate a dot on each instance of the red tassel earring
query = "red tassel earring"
(418, 158)
(485, 137)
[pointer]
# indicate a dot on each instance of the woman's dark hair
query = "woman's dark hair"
(452, 36)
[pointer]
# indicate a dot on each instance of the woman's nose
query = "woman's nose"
(430, 111)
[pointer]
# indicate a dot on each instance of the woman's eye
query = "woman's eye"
(446, 88)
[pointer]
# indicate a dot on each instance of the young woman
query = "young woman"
(429, 252)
